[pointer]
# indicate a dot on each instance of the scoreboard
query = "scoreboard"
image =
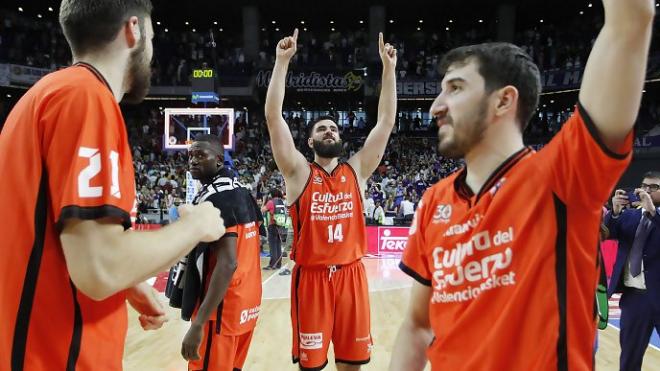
(204, 87)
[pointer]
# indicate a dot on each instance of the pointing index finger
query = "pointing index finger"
(381, 44)
(295, 34)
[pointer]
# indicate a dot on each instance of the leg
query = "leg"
(636, 329)
(278, 249)
(352, 333)
(272, 241)
(311, 317)
(216, 352)
(243, 345)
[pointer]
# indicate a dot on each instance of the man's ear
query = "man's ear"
(506, 100)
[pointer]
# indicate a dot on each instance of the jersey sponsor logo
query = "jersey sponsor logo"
(392, 240)
(331, 206)
(343, 179)
(461, 228)
(442, 214)
(311, 340)
(460, 275)
(248, 315)
(251, 234)
(317, 180)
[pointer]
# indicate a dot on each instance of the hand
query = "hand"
(206, 218)
(152, 322)
(286, 47)
(191, 343)
(142, 298)
(387, 53)
(619, 200)
(646, 201)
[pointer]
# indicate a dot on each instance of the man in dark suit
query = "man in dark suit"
(636, 271)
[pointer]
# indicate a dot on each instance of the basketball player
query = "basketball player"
(226, 301)
(329, 293)
(69, 262)
(504, 252)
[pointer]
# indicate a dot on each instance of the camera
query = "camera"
(632, 196)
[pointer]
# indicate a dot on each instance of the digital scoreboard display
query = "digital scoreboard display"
(203, 80)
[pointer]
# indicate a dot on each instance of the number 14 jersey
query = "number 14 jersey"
(328, 222)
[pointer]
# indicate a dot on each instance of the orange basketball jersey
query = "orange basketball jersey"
(514, 267)
(240, 307)
(64, 153)
(328, 222)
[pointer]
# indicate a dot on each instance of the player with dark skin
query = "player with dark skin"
(205, 160)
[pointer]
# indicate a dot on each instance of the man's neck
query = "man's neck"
(328, 164)
(208, 180)
(490, 153)
(111, 68)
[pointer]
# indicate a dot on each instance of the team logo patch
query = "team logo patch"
(318, 180)
(497, 186)
(442, 214)
(343, 179)
(311, 340)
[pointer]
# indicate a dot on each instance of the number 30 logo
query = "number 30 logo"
(85, 189)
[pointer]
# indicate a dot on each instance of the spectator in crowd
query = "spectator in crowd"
(274, 210)
(407, 209)
(636, 272)
(173, 211)
(369, 207)
(379, 213)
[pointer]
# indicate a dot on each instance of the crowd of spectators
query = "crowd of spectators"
(410, 164)
(177, 52)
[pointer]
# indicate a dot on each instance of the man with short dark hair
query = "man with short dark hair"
(69, 260)
(325, 199)
(224, 303)
(636, 272)
(504, 251)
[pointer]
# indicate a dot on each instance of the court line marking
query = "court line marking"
(274, 274)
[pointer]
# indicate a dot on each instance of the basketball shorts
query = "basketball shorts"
(220, 352)
(330, 304)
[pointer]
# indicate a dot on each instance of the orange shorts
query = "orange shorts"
(330, 304)
(221, 352)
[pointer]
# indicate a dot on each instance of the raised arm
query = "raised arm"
(367, 159)
(614, 75)
(288, 159)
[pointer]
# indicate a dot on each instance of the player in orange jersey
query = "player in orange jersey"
(504, 252)
(69, 262)
(329, 293)
(227, 298)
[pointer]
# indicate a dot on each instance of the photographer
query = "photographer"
(636, 271)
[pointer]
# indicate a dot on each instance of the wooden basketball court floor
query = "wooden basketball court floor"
(271, 344)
